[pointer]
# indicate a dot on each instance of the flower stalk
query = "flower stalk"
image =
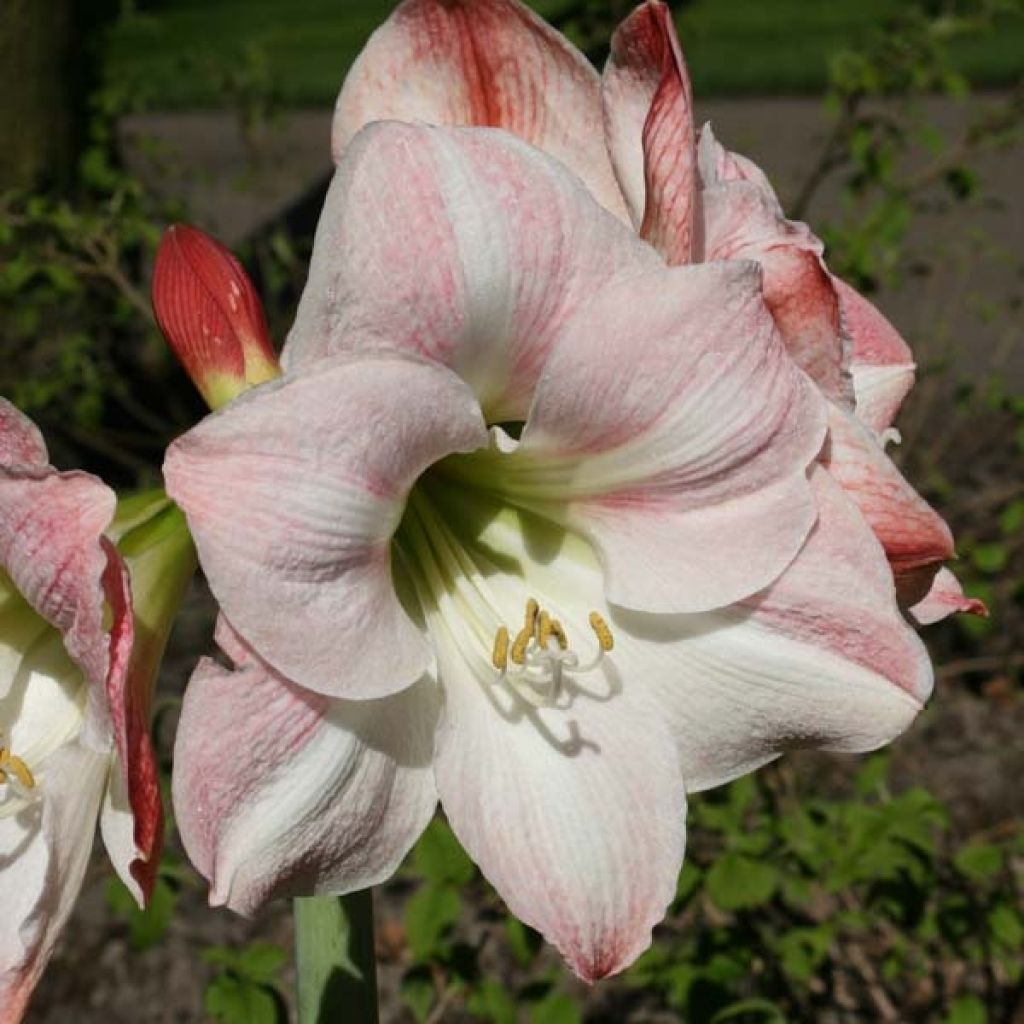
(334, 952)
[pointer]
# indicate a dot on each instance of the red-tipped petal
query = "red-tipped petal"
(945, 598)
(211, 315)
(881, 362)
(648, 115)
(915, 538)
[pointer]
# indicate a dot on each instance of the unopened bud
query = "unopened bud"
(211, 315)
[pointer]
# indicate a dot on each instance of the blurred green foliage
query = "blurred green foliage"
(791, 905)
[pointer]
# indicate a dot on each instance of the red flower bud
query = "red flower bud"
(211, 315)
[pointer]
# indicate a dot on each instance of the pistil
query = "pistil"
(541, 651)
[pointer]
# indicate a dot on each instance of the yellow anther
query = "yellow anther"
(499, 656)
(543, 630)
(530, 620)
(518, 652)
(604, 635)
(559, 634)
(12, 765)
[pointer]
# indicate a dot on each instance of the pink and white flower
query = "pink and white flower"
(631, 136)
(532, 526)
(75, 680)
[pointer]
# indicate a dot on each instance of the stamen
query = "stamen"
(523, 637)
(12, 765)
(530, 619)
(499, 656)
(559, 634)
(544, 631)
(601, 630)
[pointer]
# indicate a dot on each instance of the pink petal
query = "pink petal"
(52, 547)
(685, 467)
(283, 792)
(576, 817)
(915, 538)
(945, 598)
(129, 699)
(292, 493)
(211, 315)
(21, 444)
(743, 220)
(45, 852)
(823, 658)
(882, 364)
(50, 529)
(464, 246)
(487, 63)
(648, 118)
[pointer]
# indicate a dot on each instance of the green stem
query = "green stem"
(337, 967)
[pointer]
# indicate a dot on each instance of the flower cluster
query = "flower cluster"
(568, 498)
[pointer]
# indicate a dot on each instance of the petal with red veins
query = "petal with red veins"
(44, 852)
(915, 538)
(881, 362)
(464, 246)
(648, 117)
(50, 529)
(283, 792)
(486, 63)
(132, 819)
(21, 444)
(822, 658)
(743, 220)
(945, 597)
(575, 816)
(667, 461)
(292, 515)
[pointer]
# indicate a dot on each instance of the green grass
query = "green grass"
(186, 52)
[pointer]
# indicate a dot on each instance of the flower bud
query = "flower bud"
(211, 315)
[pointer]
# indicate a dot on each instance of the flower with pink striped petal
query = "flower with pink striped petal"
(531, 526)
(74, 690)
(451, 62)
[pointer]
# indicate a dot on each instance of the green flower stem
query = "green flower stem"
(335, 959)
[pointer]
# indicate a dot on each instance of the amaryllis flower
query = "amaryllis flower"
(75, 678)
(532, 526)
(631, 137)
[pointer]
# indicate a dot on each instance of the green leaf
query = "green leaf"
(438, 857)
(803, 950)
(522, 939)
(145, 927)
(418, 992)
(429, 914)
(764, 1011)
(1007, 926)
(736, 882)
(556, 1008)
(491, 1002)
(871, 778)
(260, 961)
(234, 1001)
(990, 558)
(687, 884)
(967, 1009)
(1011, 520)
(979, 861)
